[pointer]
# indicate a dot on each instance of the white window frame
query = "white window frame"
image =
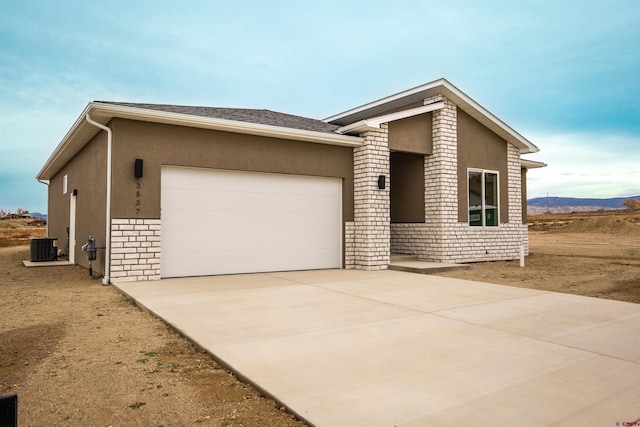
(483, 208)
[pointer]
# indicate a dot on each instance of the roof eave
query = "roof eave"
(82, 132)
(45, 171)
(484, 116)
(532, 164)
(445, 88)
(385, 100)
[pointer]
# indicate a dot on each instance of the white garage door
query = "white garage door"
(225, 222)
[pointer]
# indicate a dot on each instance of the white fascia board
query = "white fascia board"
(445, 88)
(81, 132)
(375, 122)
(386, 100)
(528, 148)
(357, 127)
(64, 143)
(229, 125)
(532, 164)
(398, 115)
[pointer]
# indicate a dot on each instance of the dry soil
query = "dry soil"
(80, 353)
(596, 255)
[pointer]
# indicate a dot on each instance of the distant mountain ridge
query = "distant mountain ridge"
(574, 204)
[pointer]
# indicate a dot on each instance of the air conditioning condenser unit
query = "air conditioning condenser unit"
(44, 249)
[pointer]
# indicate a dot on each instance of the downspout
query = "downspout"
(47, 184)
(107, 252)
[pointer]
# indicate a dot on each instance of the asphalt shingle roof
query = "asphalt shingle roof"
(264, 117)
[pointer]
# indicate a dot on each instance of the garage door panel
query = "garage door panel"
(224, 222)
(236, 182)
(184, 221)
(206, 242)
(202, 202)
(229, 262)
(244, 255)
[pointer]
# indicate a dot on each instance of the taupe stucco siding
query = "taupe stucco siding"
(407, 187)
(58, 211)
(159, 144)
(412, 134)
(479, 148)
(86, 172)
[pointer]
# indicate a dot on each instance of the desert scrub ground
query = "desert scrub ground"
(591, 254)
(78, 353)
(14, 232)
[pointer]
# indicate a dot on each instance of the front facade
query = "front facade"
(201, 191)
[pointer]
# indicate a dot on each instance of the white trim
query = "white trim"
(483, 208)
(386, 100)
(72, 229)
(65, 184)
(375, 122)
(227, 125)
(529, 146)
(80, 134)
(532, 164)
(107, 252)
(357, 127)
(455, 95)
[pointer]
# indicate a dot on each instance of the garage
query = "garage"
(227, 222)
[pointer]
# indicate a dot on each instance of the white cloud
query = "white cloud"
(585, 165)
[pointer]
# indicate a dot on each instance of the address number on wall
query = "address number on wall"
(138, 195)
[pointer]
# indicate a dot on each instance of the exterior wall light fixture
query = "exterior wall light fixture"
(138, 168)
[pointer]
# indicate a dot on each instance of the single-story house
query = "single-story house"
(174, 191)
(38, 222)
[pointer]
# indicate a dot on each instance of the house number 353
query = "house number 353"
(138, 194)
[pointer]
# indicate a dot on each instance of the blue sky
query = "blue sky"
(565, 74)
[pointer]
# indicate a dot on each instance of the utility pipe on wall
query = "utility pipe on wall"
(107, 252)
(47, 184)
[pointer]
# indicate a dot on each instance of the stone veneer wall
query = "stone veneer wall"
(461, 244)
(135, 250)
(442, 238)
(349, 245)
(367, 239)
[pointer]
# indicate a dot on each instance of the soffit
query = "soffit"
(531, 164)
(82, 132)
(428, 90)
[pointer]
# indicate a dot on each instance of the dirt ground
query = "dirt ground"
(14, 232)
(80, 353)
(596, 255)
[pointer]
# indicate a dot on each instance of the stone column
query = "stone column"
(516, 204)
(441, 179)
(514, 184)
(372, 246)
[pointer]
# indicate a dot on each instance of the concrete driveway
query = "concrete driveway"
(388, 348)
